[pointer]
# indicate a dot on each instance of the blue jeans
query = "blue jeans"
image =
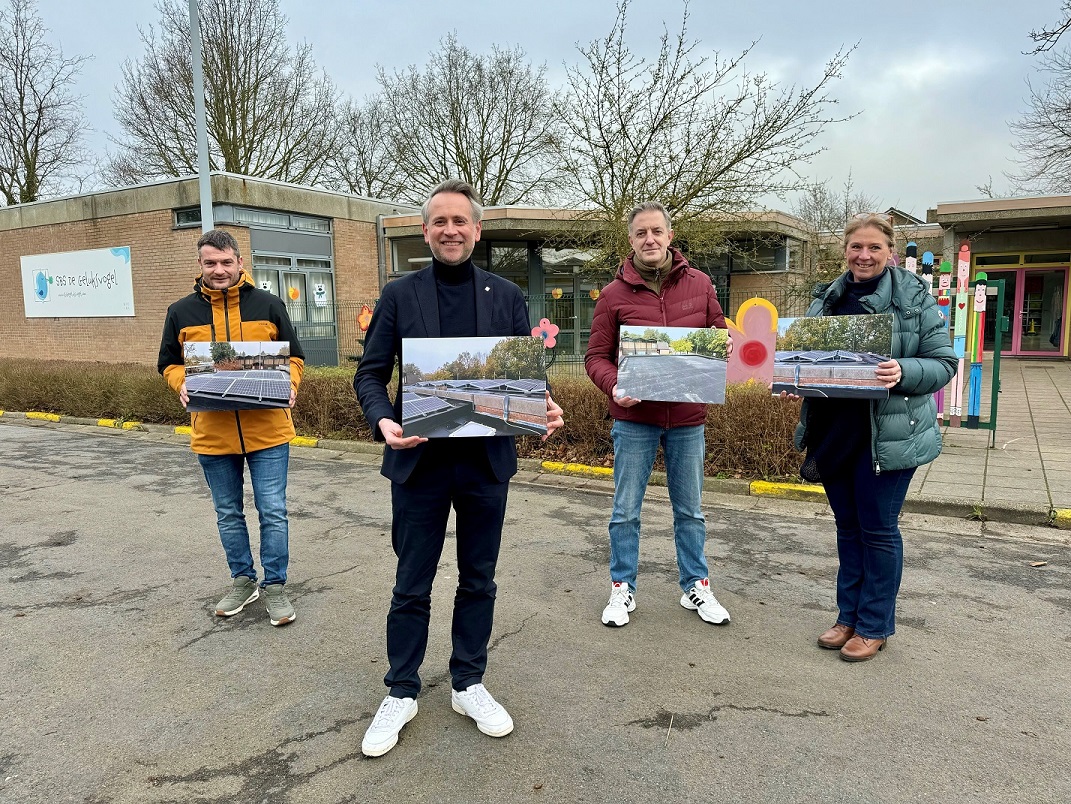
(267, 471)
(635, 447)
(866, 508)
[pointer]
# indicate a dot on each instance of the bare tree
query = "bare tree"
(42, 126)
(363, 162)
(1044, 131)
(270, 112)
(986, 189)
(696, 132)
(1046, 38)
(826, 209)
(824, 212)
(487, 119)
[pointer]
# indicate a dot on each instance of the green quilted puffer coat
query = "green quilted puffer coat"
(904, 430)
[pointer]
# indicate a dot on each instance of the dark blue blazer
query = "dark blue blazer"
(409, 308)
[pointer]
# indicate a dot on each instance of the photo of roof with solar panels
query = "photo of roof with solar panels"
(832, 356)
(465, 387)
(237, 375)
(672, 364)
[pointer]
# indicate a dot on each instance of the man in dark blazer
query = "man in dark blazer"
(451, 298)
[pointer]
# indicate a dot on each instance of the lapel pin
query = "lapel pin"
(487, 287)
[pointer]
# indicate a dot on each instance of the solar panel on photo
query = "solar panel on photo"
(271, 390)
(527, 385)
(245, 388)
(265, 386)
(208, 384)
(430, 405)
(422, 407)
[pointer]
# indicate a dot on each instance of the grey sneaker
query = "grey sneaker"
(243, 592)
(280, 612)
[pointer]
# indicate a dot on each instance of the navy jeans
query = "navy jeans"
(866, 508)
(267, 471)
(421, 508)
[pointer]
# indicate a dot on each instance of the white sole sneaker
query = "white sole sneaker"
(376, 745)
(500, 728)
(232, 612)
(711, 614)
(617, 616)
(500, 732)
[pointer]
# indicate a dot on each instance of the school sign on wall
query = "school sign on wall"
(78, 284)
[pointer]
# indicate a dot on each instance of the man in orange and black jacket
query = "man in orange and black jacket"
(226, 306)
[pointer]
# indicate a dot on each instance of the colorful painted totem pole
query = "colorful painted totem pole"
(911, 258)
(961, 313)
(974, 388)
(944, 306)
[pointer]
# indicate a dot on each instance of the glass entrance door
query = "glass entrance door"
(1041, 319)
(1034, 305)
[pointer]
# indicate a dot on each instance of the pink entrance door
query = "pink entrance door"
(1034, 302)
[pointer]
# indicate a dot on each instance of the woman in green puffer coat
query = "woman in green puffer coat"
(866, 451)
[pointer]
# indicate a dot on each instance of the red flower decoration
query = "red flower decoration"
(546, 331)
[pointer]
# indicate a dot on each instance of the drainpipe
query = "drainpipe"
(381, 250)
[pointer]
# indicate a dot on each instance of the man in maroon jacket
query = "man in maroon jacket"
(655, 285)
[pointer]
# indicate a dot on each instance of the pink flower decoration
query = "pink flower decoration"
(546, 331)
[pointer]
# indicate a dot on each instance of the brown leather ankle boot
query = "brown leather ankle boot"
(860, 648)
(835, 637)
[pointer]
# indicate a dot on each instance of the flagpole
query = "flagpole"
(204, 180)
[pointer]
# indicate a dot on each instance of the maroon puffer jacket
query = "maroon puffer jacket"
(688, 299)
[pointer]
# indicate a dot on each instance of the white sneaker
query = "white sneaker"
(490, 716)
(700, 598)
(622, 601)
(382, 735)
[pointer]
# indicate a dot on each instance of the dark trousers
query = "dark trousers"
(421, 508)
(866, 508)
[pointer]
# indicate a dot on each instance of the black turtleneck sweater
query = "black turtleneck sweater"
(456, 291)
(839, 429)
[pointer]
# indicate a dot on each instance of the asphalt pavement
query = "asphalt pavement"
(121, 686)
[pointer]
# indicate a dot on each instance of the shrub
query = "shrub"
(125, 391)
(749, 436)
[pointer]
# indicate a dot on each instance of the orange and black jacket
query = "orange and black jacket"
(239, 313)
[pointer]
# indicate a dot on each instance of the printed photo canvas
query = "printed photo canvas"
(672, 364)
(832, 356)
(472, 387)
(237, 375)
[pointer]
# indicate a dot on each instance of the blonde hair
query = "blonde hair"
(873, 220)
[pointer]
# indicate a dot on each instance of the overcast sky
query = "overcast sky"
(933, 84)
